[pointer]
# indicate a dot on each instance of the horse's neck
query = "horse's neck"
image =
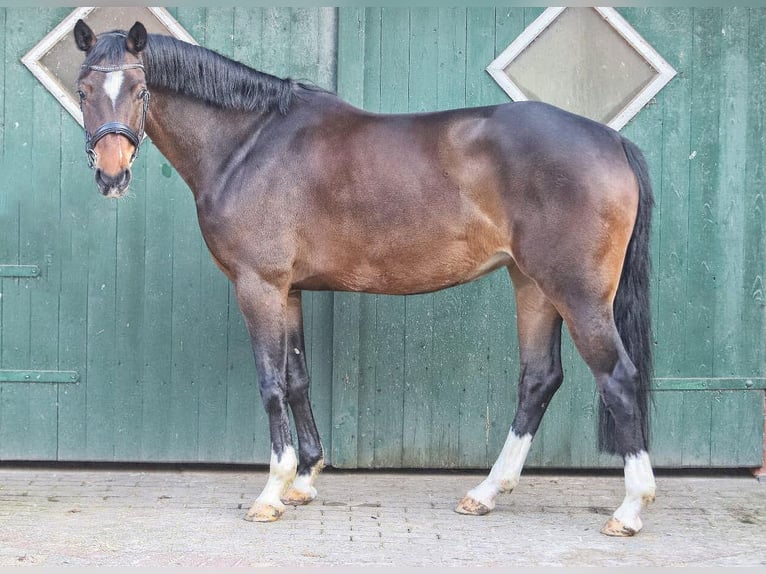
(194, 137)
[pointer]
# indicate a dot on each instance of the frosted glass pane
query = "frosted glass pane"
(582, 64)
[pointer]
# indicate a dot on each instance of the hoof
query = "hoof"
(614, 527)
(296, 497)
(472, 507)
(262, 512)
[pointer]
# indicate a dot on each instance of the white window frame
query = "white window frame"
(665, 72)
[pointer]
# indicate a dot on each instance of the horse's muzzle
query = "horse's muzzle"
(113, 186)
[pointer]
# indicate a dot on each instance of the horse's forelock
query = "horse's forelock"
(109, 49)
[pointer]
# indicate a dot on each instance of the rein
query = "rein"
(116, 127)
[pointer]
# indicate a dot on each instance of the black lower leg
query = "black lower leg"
(618, 391)
(274, 396)
(309, 444)
(537, 385)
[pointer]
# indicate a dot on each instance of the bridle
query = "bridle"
(115, 127)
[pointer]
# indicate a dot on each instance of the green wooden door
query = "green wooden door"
(129, 335)
(430, 380)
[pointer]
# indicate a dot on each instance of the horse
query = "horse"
(296, 189)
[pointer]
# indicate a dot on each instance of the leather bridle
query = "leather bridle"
(135, 137)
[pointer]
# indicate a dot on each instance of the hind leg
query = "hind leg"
(595, 335)
(310, 453)
(539, 332)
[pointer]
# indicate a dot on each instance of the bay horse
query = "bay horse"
(298, 190)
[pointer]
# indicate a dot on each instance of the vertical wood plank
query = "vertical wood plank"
(366, 398)
(157, 339)
(3, 14)
(345, 374)
(189, 344)
(39, 229)
(129, 318)
(101, 316)
(419, 320)
(275, 40)
(475, 44)
(701, 269)
(727, 249)
(389, 323)
(675, 42)
(209, 354)
(28, 412)
(14, 414)
(503, 348)
(246, 428)
(312, 54)
(246, 434)
(448, 374)
(77, 191)
(754, 279)
(730, 342)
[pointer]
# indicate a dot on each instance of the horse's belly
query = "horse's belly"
(402, 275)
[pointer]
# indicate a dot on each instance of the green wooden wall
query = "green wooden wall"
(127, 299)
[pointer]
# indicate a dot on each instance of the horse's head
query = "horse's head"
(114, 102)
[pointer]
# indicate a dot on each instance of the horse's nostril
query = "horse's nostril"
(109, 182)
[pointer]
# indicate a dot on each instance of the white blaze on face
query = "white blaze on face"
(112, 86)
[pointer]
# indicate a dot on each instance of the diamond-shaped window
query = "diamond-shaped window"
(55, 60)
(589, 61)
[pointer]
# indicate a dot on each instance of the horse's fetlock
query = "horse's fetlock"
(507, 486)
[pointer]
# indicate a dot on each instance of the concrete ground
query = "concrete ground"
(194, 517)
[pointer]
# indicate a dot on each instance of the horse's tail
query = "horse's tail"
(631, 303)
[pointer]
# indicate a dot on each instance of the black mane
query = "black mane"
(200, 73)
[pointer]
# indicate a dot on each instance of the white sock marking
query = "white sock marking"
(304, 483)
(639, 489)
(506, 471)
(113, 85)
(281, 474)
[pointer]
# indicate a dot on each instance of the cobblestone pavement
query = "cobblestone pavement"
(194, 517)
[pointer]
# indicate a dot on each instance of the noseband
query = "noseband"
(116, 127)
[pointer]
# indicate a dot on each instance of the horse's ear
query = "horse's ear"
(83, 36)
(137, 38)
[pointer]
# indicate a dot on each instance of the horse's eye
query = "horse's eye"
(81, 95)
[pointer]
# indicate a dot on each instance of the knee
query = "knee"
(272, 395)
(619, 390)
(540, 382)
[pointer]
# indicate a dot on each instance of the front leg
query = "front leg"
(310, 451)
(263, 305)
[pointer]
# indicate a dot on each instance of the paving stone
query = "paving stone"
(188, 517)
